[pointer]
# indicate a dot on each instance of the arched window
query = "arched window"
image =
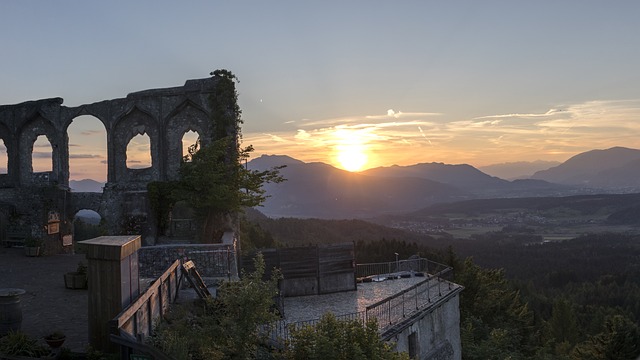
(139, 152)
(87, 225)
(41, 158)
(87, 149)
(188, 139)
(4, 158)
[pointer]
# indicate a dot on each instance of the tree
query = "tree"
(620, 340)
(337, 339)
(495, 323)
(227, 327)
(213, 179)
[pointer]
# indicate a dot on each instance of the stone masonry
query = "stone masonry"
(27, 199)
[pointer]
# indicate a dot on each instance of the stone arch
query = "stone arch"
(93, 150)
(27, 136)
(135, 122)
(187, 117)
(9, 145)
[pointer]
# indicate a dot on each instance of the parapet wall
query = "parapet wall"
(212, 260)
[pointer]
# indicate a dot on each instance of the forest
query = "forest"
(524, 298)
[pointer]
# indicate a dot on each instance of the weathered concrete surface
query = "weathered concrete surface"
(437, 331)
(165, 115)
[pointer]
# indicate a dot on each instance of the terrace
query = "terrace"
(390, 292)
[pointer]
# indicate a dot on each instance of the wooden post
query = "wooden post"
(113, 283)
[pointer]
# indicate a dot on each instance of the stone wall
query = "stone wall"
(212, 260)
(165, 115)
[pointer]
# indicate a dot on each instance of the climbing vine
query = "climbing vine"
(213, 179)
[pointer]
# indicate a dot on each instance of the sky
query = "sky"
(356, 84)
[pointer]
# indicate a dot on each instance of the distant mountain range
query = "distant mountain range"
(319, 190)
(615, 169)
(323, 191)
(85, 185)
(517, 170)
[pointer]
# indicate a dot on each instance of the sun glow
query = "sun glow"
(351, 149)
(352, 157)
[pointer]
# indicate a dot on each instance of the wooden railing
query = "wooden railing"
(138, 319)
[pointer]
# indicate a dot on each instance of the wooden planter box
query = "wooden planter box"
(32, 250)
(74, 280)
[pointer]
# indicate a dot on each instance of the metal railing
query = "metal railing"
(395, 308)
(410, 265)
(402, 305)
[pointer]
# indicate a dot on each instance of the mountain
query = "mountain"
(614, 168)
(461, 176)
(323, 191)
(471, 180)
(517, 170)
(86, 185)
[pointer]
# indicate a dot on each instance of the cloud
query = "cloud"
(84, 156)
(41, 155)
(93, 132)
(546, 114)
(394, 114)
(402, 138)
(103, 162)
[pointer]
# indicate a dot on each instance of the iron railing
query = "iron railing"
(395, 308)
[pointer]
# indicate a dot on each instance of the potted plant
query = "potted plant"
(76, 279)
(32, 246)
(55, 339)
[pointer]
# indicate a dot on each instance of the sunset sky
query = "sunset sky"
(366, 83)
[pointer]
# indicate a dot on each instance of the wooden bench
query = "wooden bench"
(14, 238)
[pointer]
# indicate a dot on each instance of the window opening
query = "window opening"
(41, 158)
(139, 152)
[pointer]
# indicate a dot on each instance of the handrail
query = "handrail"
(143, 302)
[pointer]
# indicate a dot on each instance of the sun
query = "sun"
(352, 157)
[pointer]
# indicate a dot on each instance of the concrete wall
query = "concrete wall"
(436, 331)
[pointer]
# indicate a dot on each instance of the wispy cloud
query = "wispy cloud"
(94, 132)
(84, 156)
(411, 137)
(41, 155)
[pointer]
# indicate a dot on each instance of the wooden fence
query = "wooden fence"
(310, 270)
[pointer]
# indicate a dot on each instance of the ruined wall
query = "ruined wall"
(165, 115)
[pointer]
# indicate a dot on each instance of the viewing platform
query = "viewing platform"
(392, 293)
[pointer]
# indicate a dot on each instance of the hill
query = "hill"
(86, 185)
(517, 170)
(323, 191)
(616, 168)
(299, 232)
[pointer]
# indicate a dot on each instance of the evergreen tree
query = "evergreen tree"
(620, 340)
